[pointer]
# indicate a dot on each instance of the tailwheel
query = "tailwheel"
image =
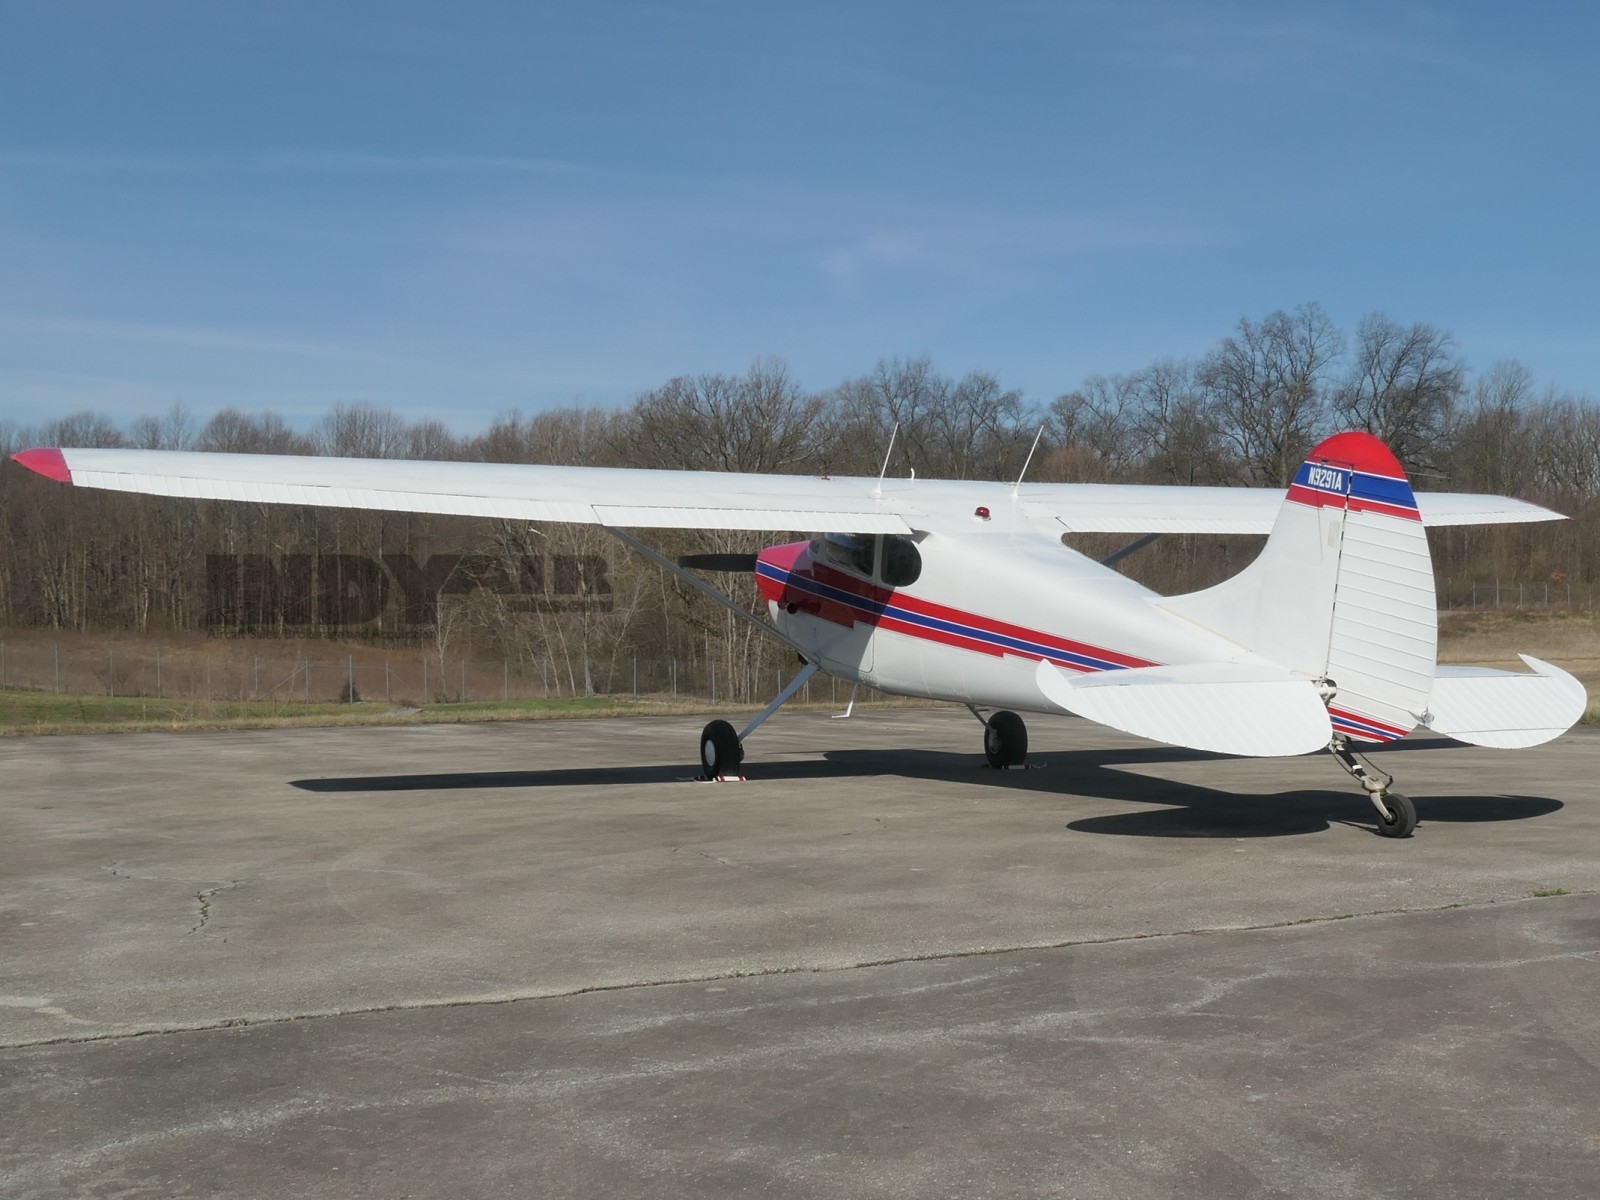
(1005, 740)
(1397, 816)
(720, 752)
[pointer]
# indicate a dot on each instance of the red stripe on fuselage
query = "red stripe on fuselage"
(1314, 497)
(885, 608)
(1368, 728)
(1357, 504)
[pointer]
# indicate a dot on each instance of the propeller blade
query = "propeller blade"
(718, 562)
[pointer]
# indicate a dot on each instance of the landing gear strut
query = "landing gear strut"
(1005, 738)
(1397, 816)
(722, 750)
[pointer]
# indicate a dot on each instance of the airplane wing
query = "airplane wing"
(620, 496)
(629, 497)
(1153, 508)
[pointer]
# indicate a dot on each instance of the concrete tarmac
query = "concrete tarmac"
(540, 960)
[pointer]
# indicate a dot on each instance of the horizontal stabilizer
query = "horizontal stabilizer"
(1505, 709)
(1227, 708)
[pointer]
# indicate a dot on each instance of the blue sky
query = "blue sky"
(459, 209)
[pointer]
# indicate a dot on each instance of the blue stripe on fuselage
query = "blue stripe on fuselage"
(975, 633)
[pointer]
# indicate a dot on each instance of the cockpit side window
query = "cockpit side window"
(902, 561)
(899, 565)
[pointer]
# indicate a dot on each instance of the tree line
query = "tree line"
(1243, 413)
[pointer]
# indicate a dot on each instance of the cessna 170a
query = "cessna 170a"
(964, 591)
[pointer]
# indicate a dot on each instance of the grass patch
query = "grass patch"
(1543, 892)
(24, 713)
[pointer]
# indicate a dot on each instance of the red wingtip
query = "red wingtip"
(50, 463)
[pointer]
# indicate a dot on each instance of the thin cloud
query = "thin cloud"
(972, 243)
(287, 162)
(195, 337)
(1293, 48)
(304, 160)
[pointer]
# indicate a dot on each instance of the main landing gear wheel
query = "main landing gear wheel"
(1397, 816)
(720, 752)
(1005, 740)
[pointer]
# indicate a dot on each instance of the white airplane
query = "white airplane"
(964, 591)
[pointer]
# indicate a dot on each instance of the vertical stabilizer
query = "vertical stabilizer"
(1342, 591)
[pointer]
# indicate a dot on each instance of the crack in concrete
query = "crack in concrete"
(763, 972)
(203, 899)
(713, 857)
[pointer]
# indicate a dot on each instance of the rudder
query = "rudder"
(1342, 593)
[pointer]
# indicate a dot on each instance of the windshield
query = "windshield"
(898, 566)
(852, 551)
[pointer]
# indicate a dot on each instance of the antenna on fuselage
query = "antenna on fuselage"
(1028, 462)
(878, 491)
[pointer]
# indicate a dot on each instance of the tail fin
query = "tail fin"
(1343, 591)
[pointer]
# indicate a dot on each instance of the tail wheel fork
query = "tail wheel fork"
(1397, 816)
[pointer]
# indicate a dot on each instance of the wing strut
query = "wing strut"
(720, 597)
(1133, 546)
(795, 684)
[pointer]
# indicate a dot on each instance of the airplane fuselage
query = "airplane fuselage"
(979, 613)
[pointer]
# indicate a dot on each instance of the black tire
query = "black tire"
(720, 752)
(1005, 740)
(1405, 816)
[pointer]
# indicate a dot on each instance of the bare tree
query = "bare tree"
(1489, 446)
(430, 441)
(1092, 430)
(1564, 437)
(234, 432)
(1402, 385)
(1175, 428)
(576, 436)
(892, 401)
(1266, 387)
(761, 421)
(84, 431)
(173, 430)
(14, 437)
(976, 429)
(363, 431)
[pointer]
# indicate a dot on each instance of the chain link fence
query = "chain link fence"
(399, 680)
(1555, 592)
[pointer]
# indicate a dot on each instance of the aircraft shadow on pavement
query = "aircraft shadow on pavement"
(1185, 809)
(1193, 810)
